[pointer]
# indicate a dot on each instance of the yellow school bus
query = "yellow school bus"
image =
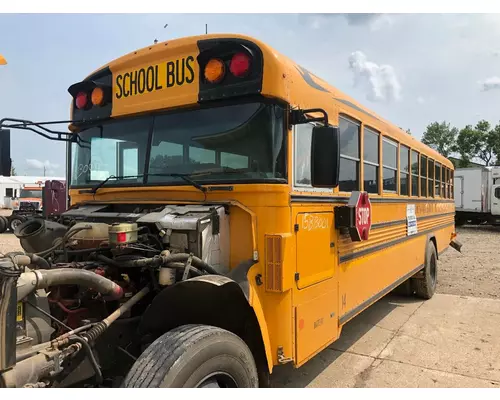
(319, 207)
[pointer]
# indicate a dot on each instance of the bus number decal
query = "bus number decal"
(312, 222)
(154, 78)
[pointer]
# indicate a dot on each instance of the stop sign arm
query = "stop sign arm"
(346, 217)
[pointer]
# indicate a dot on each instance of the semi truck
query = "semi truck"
(45, 200)
(477, 195)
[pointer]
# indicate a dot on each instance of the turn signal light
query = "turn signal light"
(97, 96)
(214, 70)
(81, 100)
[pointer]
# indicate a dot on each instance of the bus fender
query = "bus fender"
(201, 299)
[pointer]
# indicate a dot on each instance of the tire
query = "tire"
(404, 289)
(14, 222)
(3, 224)
(193, 356)
(425, 287)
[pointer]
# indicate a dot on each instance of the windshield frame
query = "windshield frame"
(175, 181)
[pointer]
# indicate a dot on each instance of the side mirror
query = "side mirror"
(325, 157)
(5, 161)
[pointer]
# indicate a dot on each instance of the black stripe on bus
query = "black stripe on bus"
(380, 225)
(394, 242)
(356, 310)
(299, 198)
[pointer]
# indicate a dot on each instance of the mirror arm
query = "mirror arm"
(299, 116)
(13, 123)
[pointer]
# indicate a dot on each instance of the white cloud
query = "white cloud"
(490, 84)
(374, 21)
(420, 100)
(380, 81)
(37, 164)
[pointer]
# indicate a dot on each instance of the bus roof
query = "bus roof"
(285, 79)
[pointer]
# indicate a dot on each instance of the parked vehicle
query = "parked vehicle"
(47, 200)
(477, 195)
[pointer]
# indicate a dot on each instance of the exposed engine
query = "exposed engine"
(79, 277)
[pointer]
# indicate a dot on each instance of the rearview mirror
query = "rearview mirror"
(325, 156)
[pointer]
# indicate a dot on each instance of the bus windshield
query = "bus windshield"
(238, 143)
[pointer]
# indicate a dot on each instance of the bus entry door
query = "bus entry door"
(315, 248)
(316, 311)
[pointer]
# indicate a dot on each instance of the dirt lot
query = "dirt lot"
(475, 272)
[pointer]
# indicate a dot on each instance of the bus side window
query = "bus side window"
(349, 155)
(371, 161)
(390, 166)
(414, 173)
(404, 167)
(302, 156)
(423, 175)
(437, 179)
(430, 177)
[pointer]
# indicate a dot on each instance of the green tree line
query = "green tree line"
(480, 142)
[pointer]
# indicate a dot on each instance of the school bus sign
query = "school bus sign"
(3, 61)
(356, 216)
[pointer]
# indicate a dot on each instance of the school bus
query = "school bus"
(319, 206)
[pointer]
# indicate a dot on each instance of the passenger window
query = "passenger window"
(497, 192)
(430, 177)
(404, 163)
(303, 135)
(390, 167)
(437, 179)
(423, 176)
(446, 174)
(370, 160)
(349, 155)
(414, 173)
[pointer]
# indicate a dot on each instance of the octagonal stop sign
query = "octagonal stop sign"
(362, 210)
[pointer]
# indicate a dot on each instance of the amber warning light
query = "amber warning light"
(216, 69)
(97, 96)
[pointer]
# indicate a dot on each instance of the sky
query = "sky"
(412, 69)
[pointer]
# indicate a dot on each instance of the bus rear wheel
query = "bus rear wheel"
(195, 356)
(425, 286)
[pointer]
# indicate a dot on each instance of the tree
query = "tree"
(494, 142)
(467, 145)
(440, 137)
(12, 170)
(486, 141)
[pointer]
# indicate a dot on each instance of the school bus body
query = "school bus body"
(310, 279)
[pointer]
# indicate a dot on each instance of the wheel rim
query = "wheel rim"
(217, 380)
(433, 269)
(15, 223)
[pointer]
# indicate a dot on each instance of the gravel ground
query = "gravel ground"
(474, 272)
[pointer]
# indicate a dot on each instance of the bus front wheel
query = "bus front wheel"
(425, 286)
(195, 356)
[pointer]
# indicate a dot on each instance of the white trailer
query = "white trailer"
(477, 195)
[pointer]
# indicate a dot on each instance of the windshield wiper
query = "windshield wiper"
(184, 177)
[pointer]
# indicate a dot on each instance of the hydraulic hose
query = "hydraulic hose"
(42, 279)
(198, 263)
(160, 261)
